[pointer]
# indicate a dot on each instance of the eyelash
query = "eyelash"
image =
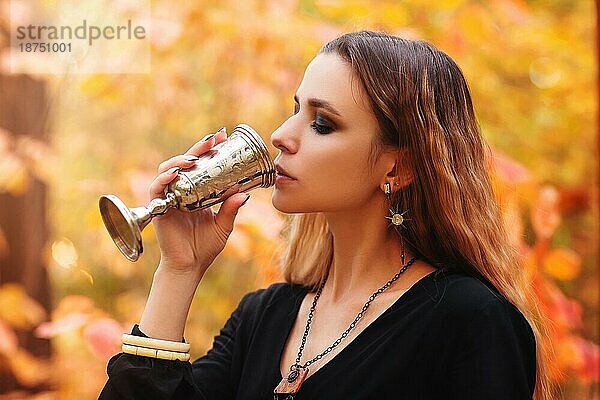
(317, 125)
(320, 128)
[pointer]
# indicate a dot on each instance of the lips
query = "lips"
(281, 171)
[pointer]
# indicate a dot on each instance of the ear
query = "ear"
(399, 169)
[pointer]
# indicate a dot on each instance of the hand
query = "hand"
(190, 241)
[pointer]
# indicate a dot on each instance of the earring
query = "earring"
(396, 217)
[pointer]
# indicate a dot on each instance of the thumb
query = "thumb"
(229, 209)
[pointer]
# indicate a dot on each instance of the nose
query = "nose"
(283, 139)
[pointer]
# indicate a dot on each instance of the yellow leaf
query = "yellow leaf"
(563, 264)
(18, 309)
(28, 370)
(95, 85)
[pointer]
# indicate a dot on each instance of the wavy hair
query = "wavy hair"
(422, 104)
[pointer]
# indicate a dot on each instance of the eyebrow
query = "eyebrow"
(319, 103)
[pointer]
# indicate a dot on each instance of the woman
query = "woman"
(400, 280)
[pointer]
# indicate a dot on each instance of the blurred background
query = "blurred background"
(67, 294)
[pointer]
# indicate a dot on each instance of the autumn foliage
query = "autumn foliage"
(532, 72)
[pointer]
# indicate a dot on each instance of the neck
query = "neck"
(366, 253)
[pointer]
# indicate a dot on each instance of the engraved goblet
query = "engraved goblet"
(238, 164)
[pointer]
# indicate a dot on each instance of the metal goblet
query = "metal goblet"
(238, 164)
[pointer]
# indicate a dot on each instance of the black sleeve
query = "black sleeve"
(496, 360)
(209, 377)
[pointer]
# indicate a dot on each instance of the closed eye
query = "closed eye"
(321, 125)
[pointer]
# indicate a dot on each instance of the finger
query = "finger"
(225, 218)
(158, 185)
(207, 143)
(201, 147)
(183, 161)
(221, 135)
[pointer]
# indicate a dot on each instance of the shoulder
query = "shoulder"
(486, 344)
(470, 301)
(464, 294)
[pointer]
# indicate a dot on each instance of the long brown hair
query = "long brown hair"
(422, 104)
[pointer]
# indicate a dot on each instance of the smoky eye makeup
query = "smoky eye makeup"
(322, 125)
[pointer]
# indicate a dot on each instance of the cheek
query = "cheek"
(343, 176)
(348, 162)
(349, 185)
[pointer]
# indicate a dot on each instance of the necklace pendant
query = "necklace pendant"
(290, 385)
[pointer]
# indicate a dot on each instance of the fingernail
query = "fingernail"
(245, 201)
(173, 170)
(223, 129)
(208, 137)
(192, 158)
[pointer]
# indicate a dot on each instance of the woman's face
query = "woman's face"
(325, 144)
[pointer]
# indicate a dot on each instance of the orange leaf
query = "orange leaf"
(563, 264)
(568, 354)
(8, 339)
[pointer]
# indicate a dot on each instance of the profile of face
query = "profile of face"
(326, 143)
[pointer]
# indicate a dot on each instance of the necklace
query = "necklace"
(290, 385)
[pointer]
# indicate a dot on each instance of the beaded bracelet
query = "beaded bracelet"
(154, 353)
(156, 344)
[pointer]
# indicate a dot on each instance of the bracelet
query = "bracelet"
(156, 344)
(154, 353)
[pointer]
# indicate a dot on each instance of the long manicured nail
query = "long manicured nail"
(223, 129)
(208, 137)
(173, 170)
(192, 158)
(245, 201)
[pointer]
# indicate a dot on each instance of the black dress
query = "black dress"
(450, 336)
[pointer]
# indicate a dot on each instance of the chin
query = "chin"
(288, 206)
(285, 207)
